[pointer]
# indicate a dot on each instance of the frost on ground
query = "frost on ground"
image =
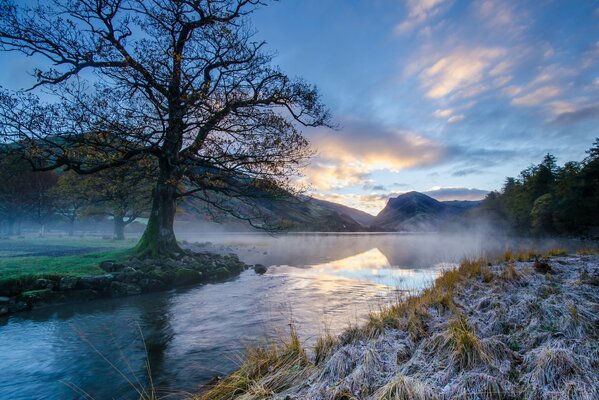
(514, 330)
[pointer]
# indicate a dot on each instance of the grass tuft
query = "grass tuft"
(403, 387)
(267, 369)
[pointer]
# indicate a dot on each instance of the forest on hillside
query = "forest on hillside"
(549, 199)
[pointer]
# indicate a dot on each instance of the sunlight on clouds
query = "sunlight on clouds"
(459, 71)
(419, 12)
(449, 115)
(347, 159)
(537, 96)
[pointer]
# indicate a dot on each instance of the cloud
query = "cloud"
(449, 115)
(371, 204)
(571, 115)
(346, 158)
(456, 193)
(537, 96)
(419, 12)
(460, 71)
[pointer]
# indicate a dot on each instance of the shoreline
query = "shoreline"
(503, 330)
(121, 277)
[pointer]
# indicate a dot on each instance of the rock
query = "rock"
(4, 303)
(119, 289)
(260, 269)
(43, 284)
(17, 306)
(68, 282)
(151, 285)
(184, 276)
(96, 282)
(111, 266)
(107, 266)
(34, 296)
(221, 272)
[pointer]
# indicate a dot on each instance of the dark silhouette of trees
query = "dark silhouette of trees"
(181, 81)
(24, 194)
(546, 198)
(71, 197)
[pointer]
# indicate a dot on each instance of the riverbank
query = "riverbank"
(71, 270)
(517, 328)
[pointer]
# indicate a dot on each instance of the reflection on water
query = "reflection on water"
(192, 334)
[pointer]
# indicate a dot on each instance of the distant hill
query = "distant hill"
(361, 217)
(417, 212)
(293, 214)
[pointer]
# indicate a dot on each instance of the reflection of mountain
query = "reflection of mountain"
(400, 250)
(417, 212)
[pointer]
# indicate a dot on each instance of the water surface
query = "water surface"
(192, 334)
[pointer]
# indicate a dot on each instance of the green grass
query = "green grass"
(79, 265)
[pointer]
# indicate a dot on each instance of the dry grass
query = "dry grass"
(466, 347)
(556, 252)
(586, 251)
(510, 273)
(555, 369)
(267, 369)
(325, 344)
(405, 388)
(481, 386)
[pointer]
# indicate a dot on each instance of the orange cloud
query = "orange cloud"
(347, 158)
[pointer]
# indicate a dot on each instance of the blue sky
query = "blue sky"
(446, 97)
(440, 96)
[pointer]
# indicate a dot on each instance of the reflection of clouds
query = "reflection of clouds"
(371, 259)
(370, 267)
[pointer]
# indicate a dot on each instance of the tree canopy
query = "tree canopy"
(181, 81)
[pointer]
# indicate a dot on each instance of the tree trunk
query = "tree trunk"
(119, 228)
(10, 227)
(159, 238)
(71, 227)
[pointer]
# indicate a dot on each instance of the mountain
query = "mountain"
(292, 214)
(409, 212)
(361, 217)
(417, 212)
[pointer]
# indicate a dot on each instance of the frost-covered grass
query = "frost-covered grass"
(508, 330)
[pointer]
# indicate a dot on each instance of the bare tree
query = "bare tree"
(182, 81)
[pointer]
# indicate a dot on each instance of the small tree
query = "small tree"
(71, 196)
(122, 193)
(181, 81)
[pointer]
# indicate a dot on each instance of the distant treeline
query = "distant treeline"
(549, 199)
(62, 198)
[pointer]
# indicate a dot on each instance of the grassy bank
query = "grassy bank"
(37, 267)
(515, 328)
(39, 257)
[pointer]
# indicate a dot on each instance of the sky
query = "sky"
(445, 97)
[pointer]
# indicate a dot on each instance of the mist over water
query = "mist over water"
(313, 281)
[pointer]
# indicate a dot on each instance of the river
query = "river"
(315, 281)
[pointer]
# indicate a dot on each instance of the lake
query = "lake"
(314, 281)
